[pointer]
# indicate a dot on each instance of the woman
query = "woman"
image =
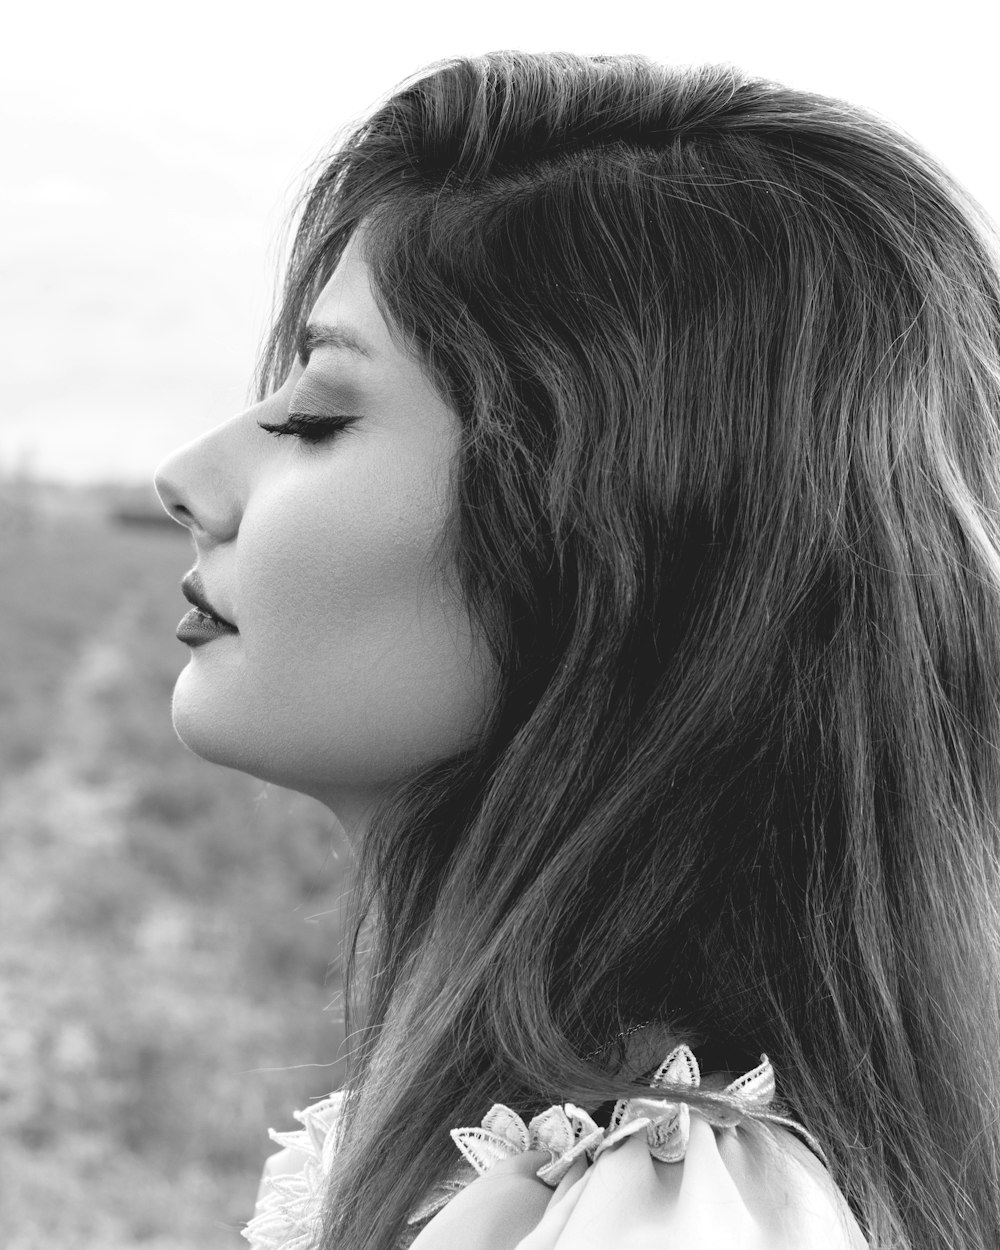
(614, 549)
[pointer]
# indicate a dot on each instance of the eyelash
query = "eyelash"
(308, 429)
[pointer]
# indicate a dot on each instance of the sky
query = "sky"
(150, 156)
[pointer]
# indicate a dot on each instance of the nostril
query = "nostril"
(176, 511)
(214, 516)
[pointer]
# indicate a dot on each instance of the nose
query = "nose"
(197, 493)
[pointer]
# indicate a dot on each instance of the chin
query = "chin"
(232, 743)
(211, 728)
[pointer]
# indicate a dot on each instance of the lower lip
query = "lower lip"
(197, 628)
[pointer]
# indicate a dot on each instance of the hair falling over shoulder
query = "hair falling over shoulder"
(726, 357)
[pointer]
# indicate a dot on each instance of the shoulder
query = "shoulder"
(733, 1190)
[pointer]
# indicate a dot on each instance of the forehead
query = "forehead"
(347, 306)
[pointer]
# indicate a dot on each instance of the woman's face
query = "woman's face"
(355, 662)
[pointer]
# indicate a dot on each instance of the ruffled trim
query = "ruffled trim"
(287, 1216)
(567, 1131)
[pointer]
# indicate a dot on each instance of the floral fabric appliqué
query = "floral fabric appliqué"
(288, 1209)
(287, 1215)
(567, 1131)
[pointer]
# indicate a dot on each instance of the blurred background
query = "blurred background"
(169, 968)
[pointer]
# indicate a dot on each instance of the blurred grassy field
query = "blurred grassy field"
(166, 991)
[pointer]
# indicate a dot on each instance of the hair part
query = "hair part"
(726, 357)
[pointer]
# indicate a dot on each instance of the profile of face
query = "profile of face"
(355, 662)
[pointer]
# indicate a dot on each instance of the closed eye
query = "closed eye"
(310, 428)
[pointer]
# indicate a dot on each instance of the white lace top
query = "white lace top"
(733, 1209)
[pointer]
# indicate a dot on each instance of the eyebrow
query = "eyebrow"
(317, 334)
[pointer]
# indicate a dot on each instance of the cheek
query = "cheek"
(344, 607)
(358, 656)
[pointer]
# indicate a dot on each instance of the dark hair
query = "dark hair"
(726, 358)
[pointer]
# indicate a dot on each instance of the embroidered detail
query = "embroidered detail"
(288, 1210)
(567, 1132)
(287, 1216)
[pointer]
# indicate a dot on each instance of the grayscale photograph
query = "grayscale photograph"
(500, 618)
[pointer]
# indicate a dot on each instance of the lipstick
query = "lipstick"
(198, 627)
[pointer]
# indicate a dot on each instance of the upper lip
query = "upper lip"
(194, 592)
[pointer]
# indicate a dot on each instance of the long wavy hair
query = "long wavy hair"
(726, 359)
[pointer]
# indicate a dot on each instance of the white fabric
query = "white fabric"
(661, 1175)
(724, 1195)
(290, 1197)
